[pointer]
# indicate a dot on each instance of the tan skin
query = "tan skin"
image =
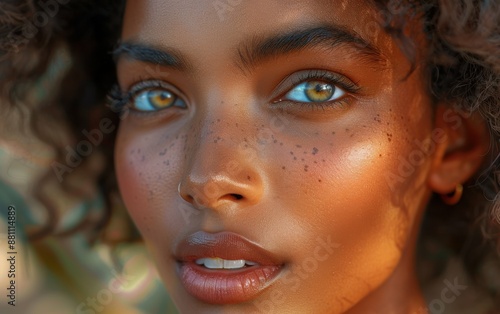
(241, 157)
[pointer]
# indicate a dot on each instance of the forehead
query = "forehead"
(221, 24)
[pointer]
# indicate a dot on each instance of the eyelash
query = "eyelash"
(117, 100)
(327, 77)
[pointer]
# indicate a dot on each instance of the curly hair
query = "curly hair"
(462, 68)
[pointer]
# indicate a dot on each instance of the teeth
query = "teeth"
(219, 263)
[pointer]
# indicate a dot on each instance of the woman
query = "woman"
(280, 156)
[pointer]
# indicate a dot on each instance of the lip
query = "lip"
(224, 286)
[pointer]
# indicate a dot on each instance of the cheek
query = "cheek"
(147, 168)
(340, 183)
(343, 190)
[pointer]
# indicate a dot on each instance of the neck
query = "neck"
(401, 292)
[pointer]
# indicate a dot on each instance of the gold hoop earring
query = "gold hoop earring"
(453, 197)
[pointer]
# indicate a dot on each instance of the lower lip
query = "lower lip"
(226, 286)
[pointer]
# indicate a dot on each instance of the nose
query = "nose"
(221, 173)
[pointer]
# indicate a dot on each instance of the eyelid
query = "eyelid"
(152, 84)
(146, 85)
(297, 78)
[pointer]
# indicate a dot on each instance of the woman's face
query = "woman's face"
(275, 158)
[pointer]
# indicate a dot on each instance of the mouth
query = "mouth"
(219, 263)
(224, 268)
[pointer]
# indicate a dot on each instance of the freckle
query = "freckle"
(323, 160)
(298, 146)
(333, 133)
(315, 151)
(380, 155)
(275, 141)
(281, 144)
(316, 133)
(294, 158)
(352, 135)
(283, 167)
(305, 153)
(291, 153)
(249, 178)
(218, 120)
(262, 125)
(163, 152)
(246, 145)
(347, 130)
(315, 162)
(319, 180)
(237, 125)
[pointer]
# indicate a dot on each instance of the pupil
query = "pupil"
(319, 91)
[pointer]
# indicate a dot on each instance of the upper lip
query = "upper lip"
(225, 245)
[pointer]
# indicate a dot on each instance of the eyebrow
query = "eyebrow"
(258, 49)
(142, 52)
(325, 36)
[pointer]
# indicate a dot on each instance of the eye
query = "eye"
(155, 99)
(315, 91)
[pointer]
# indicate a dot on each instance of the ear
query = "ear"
(461, 150)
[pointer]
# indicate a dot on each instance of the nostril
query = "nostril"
(188, 198)
(236, 196)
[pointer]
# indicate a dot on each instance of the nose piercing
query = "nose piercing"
(179, 188)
